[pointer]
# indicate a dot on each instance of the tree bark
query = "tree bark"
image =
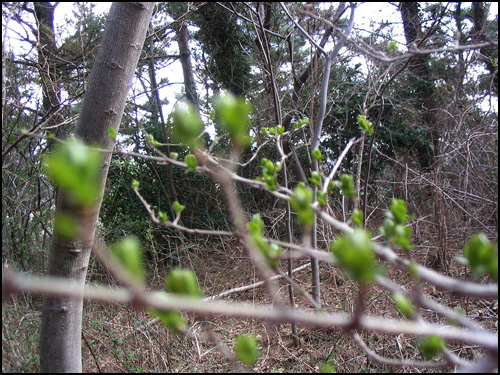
(185, 57)
(430, 159)
(47, 51)
(487, 53)
(103, 105)
(418, 66)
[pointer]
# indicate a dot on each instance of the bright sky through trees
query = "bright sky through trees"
(366, 14)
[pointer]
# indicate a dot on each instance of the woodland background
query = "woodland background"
(435, 147)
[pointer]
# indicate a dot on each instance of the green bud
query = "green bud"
(256, 225)
(301, 201)
(111, 133)
(163, 217)
(354, 253)
(246, 350)
(177, 207)
(233, 116)
(183, 282)
(365, 125)
(431, 346)
(404, 305)
(399, 212)
(191, 162)
(326, 368)
(391, 47)
(187, 125)
(357, 218)
(346, 185)
(317, 154)
(315, 178)
(129, 253)
(321, 197)
(75, 168)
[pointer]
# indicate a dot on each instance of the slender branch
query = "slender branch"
(394, 362)
(54, 286)
(305, 33)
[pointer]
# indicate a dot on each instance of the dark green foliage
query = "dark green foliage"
(221, 38)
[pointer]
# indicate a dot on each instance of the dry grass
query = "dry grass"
(221, 266)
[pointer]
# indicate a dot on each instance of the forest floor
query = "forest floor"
(113, 340)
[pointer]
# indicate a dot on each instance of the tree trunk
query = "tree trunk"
(187, 70)
(47, 52)
(418, 66)
(103, 105)
(488, 54)
(430, 159)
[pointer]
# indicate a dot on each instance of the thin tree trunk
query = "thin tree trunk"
(159, 114)
(430, 159)
(185, 58)
(103, 105)
(487, 53)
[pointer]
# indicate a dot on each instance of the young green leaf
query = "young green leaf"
(177, 207)
(482, 256)
(269, 173)
(75, 168)
(151, 140)
(187, 125)
(315, 178)
(66, 226)
(256, 225)
(191, 162)
(477, 250)
(183, 281)
(129, 253)
(357, 218)
(163, 217)
(402, 236)
(317, 155)
(233, 115)
(431, 346)
(387, 229)
(404, 305)
(365, 125)
(135, 184)
(391, 47)
(270, 251)
(173, 320)
(246, 350)
(301, 122)
(326, 368)
(399, 212)
(354, 253)
(301, 201)
(111, 132)
(321, 197)
(346, 185)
